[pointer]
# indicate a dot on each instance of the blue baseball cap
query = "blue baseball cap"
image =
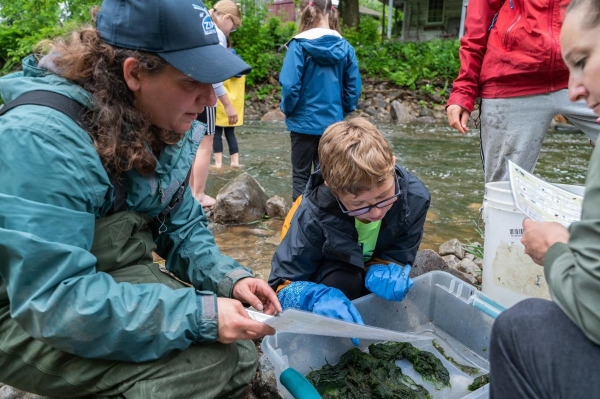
(179, 31)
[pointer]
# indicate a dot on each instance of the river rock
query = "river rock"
(401, 112)
(468, 266)
(427, 261)
(478, 262)
(273, 116)
(277, 207)
(242, 200)
(468, 278)
(451, 260)
(452, 247)
(8, 392)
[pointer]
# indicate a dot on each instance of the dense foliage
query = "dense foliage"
(428, 66)
(24, 23)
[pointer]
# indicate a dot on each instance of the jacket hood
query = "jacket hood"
(36, 77)
(326, 46)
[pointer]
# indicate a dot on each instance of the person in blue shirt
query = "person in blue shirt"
(320, 85)
(86, 200)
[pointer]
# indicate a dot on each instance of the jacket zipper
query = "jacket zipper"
(506, 40)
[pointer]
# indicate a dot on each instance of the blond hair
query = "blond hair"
(354, 157)
(226, 7)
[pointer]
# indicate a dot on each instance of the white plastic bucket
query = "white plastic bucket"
(509, 275)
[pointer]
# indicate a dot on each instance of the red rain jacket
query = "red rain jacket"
(510, 48)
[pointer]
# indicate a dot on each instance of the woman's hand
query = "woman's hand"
(539, 236)
(458, 117)
(235, 324)
(258, 294)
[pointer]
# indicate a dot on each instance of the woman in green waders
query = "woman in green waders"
(86, 197)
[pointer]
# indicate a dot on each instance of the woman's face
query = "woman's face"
(581, 51)
(170, 99)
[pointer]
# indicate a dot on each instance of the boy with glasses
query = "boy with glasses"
(356, 229)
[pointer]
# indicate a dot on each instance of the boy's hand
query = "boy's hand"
(390, 281)
(331, 302)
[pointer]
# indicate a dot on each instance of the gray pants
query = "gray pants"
(514, 128)
(537, 352)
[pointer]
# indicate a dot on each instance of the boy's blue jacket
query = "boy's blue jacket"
(320, 81)
(321, 238)
(53, 187)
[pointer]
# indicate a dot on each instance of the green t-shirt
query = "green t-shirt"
(367, 237)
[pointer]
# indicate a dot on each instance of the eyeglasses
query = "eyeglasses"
(232, 23)
(381, 204)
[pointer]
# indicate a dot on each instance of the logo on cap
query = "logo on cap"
(207, 23)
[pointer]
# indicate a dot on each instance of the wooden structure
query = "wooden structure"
(285, 10)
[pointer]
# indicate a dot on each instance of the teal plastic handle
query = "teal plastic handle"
(487, 305)
(297, 385)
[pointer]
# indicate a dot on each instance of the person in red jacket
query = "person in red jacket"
(510, 57)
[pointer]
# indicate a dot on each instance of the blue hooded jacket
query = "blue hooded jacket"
(320, 81)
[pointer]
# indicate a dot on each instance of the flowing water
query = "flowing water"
(448, 163)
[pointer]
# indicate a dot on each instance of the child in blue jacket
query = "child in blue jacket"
(320, 85)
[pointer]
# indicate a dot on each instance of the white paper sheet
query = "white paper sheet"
(542, 201)
(301, 322)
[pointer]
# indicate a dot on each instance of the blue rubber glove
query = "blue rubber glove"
(389, 281)
(320, 299)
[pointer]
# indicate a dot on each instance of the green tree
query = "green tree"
(26, 22)
(349, 13)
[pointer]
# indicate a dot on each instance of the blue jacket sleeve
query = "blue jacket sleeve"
(191, 253)
(290, 77)
(352, 84)
(46, 233)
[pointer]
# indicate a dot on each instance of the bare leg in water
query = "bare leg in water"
(199, 174)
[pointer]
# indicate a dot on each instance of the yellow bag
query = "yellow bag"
(236, 90)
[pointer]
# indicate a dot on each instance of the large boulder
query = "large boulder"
(242, 200)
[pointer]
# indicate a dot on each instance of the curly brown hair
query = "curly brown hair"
(121, 132)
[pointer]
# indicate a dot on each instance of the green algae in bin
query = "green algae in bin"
(425, 363)
(462, 367)
(478, 382)
(376, 375)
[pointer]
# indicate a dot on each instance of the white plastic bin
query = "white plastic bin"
(509, 275)
(459, 315)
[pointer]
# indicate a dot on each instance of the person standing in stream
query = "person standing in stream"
(320, 85)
